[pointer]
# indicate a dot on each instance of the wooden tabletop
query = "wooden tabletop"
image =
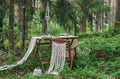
(59, 37)
(68, 37)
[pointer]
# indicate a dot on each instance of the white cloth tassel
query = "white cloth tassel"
(57, 58)
(30, 48)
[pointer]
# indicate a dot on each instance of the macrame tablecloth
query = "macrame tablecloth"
(30, 48)
(57, 57)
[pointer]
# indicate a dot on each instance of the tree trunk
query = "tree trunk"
(69, 28)
(109, 13)
(1, 32)
(75, 28)
(117, 17)
(24, 27)
(83, 25)
(20, 17)
(91, 28)
(43, 16)
(91, 22)
(11, 25)
(101, 22)
(44, 27)
(25, 13)
(102, 19)
(97, 23)
(112, 4)
(1, 25)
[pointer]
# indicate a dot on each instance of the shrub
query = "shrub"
(109, 45)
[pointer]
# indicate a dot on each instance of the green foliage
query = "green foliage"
(117, 30)
(88, 72)
(31, 62)
(106, 34)
(89, 63)
(62, 12)
(55, 29)
(83, 57)
(109, 45)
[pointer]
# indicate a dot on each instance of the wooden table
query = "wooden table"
(47, 40)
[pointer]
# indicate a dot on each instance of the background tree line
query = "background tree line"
(19, 17)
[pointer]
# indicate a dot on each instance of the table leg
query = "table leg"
(39, 54)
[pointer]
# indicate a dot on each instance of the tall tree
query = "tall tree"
(117, 16)
(24, 25)
(99, 10)
(1, 23)
(11, 25)
(25, 13)
(87, 13)
(20, 14)
(43, 15)
(1, 30)
(84, 9)
(101, 16)
(64, 14)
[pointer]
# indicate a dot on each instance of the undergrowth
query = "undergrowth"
(98, 58)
